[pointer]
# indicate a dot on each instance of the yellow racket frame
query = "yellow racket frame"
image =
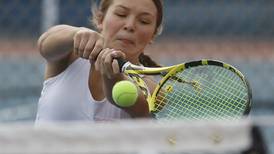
(129, 68)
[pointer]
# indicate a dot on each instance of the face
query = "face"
(129, 26)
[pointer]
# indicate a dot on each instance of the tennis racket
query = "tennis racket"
(196, 90)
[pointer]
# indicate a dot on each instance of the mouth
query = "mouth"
(126, 41)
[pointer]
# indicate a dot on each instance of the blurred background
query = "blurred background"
(238, 32)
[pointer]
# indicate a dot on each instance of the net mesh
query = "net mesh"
(246, 136)
(128, 137)
(237, 32)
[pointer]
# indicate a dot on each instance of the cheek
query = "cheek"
(110, 27)
(145, 36)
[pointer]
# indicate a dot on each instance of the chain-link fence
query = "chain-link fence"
(238, 32)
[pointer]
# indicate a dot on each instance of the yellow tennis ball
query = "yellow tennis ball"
(124, 93)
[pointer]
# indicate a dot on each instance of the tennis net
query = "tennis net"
(137, 137)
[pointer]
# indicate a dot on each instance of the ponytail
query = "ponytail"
(147, 61)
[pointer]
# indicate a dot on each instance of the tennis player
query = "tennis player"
(80, 70)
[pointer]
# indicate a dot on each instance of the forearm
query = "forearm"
(138, 110)
(57, 42)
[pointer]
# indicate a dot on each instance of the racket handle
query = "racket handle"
(121, 63)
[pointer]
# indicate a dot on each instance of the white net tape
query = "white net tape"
(126, 137)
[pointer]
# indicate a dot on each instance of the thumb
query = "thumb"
(118, 54)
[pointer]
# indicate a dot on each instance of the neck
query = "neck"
(134, 60)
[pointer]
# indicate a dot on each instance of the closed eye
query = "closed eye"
(120, 14)
(145, 22)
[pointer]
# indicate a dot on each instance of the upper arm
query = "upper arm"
(57, 43)
(56, 46)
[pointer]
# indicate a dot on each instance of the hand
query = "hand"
(107, 64)
(88, 43)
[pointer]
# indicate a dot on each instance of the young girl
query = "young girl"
(81, 67)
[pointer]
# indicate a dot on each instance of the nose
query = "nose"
(130, 24)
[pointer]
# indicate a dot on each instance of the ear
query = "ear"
(152, 39)
(99, 21)
(100, 27)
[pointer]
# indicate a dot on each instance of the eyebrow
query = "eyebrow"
(122, 7)
(126, 8)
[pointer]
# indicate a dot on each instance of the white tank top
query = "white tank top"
(67, 97)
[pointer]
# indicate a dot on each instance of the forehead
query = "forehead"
(144, 6)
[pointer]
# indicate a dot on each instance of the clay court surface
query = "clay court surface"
(176, 48)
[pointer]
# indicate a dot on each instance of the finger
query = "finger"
(115, 67)
(89, 47)
(106, 60)
(99, 60)
(82, 46)
(119, 54)
(98, 47)
(109, 56)
(76, 43)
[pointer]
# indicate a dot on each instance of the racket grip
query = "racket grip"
(121, 63)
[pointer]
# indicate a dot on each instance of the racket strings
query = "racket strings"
(176, 108)
(231, 77)
(229, 89)
(215, 98)
(232, 91)
(235, 87)
(191, 107)
(188, 98)
(188, 109)
(213, 101)
(213, 108)
(196, 112)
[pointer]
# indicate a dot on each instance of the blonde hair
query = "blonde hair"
(99, 9)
